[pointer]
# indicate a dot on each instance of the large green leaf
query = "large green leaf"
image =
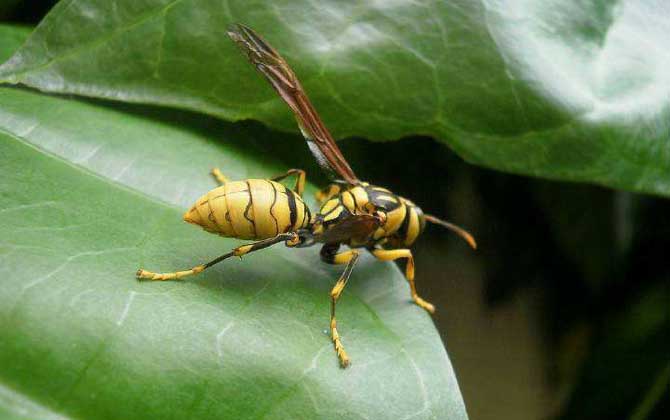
(553, 88)
(11, 36)
(89, 194)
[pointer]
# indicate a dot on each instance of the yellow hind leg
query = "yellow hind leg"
(291, 239)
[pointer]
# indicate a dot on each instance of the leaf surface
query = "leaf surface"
(550, 88)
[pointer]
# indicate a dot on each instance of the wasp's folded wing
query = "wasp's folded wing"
(285, 82)
(356, 226)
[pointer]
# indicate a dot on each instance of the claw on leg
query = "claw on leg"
(339, 348)
(425, 305)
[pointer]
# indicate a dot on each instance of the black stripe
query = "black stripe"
(373, 195)
(402, 232)
(249, 206)
(291, 206)
(228, 218)
(343, 214)
(274, 201)
(308, 214)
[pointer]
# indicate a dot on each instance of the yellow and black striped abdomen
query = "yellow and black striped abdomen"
(250, 209)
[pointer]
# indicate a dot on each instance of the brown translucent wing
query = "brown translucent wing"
(355, 226)
(285, 82)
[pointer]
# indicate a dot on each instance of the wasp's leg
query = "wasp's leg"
(299, 182)
(218, 176)
(349, 258)
(291, 238)
(394, 254)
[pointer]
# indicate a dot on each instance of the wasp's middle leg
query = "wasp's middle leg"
(394, 254)
(329, 254)
(291, 238)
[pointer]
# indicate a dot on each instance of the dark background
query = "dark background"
(562, 312)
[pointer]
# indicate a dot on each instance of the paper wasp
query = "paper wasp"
(352, 213)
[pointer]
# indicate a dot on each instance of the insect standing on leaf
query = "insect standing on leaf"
(352, 213)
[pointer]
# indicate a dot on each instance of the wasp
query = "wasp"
(353, 213)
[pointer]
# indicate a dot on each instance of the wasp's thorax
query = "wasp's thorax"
(400, 220)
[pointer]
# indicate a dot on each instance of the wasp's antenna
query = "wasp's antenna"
(459, 230)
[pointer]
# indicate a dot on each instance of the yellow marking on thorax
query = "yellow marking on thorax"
(327, 193)
(362, 198)
(348, 201)
(329, 206)
(387, 198)
(334, 214)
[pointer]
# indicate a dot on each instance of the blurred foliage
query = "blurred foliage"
(596, 257)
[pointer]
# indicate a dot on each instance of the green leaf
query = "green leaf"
(550, 88)
(11, 37)
(89, 194)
